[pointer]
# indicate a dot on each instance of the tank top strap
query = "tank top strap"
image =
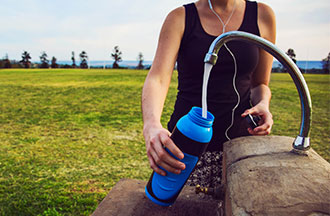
(191, 20)
(250, 20)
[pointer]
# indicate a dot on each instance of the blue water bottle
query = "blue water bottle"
(191, 135)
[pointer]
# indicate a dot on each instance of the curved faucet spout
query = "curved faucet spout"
(302, 141)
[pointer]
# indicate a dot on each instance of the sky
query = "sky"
(96, 26)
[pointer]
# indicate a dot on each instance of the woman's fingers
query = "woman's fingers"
(169, 144)
(161, 163)
(252, 111)
(159, 157)
(165, 157)
(257, 131)
(266, 122)
(265, 126)
(154, 166)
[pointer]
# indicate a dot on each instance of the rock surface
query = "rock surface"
(264, 177)
(127, 198)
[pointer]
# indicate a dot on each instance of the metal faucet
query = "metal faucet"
(302, 141)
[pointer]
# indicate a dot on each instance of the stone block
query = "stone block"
(127, 198)
(264, 177)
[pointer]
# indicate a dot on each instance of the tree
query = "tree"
(140, 59)
(292, 55)
(7, 63)
(54, 64)
(116, 55)
(26, 59)
(326, 64)
(73, 60)
(83, 59)
(44, 61)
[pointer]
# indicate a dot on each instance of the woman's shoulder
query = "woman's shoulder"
(175, 20)
(266, 21)
(265, 13)
(177, 14)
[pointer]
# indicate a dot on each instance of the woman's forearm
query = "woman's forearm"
(159, 77)
(261, 94)
(153, 98)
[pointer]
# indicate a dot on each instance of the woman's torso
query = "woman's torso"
(221, 96)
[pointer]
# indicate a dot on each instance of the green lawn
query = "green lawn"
(67, 136)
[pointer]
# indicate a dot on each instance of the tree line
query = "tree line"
(116, 55)
(25, 61)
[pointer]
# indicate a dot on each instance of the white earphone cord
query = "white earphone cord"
(235, 64)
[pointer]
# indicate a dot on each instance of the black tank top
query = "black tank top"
(221, 96)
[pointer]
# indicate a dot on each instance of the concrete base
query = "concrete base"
(265, 178)
(127, 198)
(262, 177)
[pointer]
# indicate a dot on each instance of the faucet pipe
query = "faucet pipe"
(302, 141)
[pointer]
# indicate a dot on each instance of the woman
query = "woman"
(185, 38)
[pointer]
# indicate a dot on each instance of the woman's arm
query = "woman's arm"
(154, 93)
(260, 92)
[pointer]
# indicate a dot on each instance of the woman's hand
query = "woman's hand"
(157, 139)
(266, 121)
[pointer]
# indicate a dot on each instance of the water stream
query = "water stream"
(207, 70)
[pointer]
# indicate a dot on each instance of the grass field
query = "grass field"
(67, 136)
